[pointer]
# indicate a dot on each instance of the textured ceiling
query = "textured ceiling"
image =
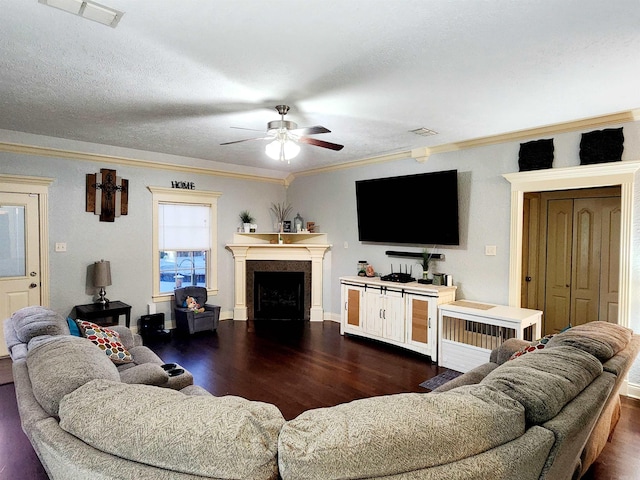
(175, 76)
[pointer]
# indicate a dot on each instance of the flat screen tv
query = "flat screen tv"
(417, 209)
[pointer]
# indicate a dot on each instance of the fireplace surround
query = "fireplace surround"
(307, 248)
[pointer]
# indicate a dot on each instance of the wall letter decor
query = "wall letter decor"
(107, 195)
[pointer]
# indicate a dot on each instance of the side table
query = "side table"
(111, 311)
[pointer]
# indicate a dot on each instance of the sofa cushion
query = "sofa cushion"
(546, 381)
(58, 365)
(469, 378)
(394, 434)
(220, 437)
(601, 339)
(106, 340)
(30, 322)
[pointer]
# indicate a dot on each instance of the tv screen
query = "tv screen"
(417, 209)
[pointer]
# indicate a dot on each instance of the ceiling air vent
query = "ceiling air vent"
(89, 10)
(425, 132)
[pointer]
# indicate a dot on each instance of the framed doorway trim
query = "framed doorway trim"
(584, 176)
(35, 186)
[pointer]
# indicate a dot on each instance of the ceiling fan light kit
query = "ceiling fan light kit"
(282, 150)
(285, 135)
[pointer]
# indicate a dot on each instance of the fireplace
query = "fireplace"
(278, 289)
(278, 296)
(298, 252)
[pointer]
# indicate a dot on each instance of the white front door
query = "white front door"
(20, 276)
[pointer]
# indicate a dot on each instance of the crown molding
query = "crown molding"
(419, 154)
(132, 162)
(575, 125)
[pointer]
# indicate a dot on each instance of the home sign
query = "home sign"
(183, 185)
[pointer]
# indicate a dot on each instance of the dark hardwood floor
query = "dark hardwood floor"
(298, 366)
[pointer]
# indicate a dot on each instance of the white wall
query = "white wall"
(329, 200)
(126, 243)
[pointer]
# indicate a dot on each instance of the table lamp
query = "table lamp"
(101, 279)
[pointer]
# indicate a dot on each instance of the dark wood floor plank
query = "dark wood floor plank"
(298, 366)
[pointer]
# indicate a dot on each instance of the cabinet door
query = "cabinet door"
(393, 316)
(352, 307)
(373, 321)
(421, 322)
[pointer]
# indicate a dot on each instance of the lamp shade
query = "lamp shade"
(101, 274)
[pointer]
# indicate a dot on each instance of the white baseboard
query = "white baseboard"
(332, 317)
(633, 390)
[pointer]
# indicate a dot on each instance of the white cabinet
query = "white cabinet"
(403, 314)
(468, 331)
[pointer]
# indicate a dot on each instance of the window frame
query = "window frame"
(189, 197)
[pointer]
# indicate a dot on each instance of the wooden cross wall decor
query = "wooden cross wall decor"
(107, 195)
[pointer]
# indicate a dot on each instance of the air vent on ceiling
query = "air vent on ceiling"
(89, 10)
(425, 132)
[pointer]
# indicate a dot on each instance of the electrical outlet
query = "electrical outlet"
(490, 250)
(61, 247)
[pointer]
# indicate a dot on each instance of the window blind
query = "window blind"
(183, 227)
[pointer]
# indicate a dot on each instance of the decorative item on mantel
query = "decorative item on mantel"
(247, 220)
(113, 197)
(297, 223)
(281, 211)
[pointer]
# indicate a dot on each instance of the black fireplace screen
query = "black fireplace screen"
(278, 295)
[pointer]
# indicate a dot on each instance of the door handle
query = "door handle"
(527, 278)
(33, 285)
(32, 274)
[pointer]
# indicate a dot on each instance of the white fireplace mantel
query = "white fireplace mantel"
(295, 246)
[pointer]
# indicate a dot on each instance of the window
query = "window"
(184, 240)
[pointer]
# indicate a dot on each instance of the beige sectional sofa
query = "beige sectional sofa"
(541, 415)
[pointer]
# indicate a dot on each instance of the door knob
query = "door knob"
(527, 278)
(32, 274)
(33, 285)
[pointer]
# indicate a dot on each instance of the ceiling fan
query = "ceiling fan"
(285, 136)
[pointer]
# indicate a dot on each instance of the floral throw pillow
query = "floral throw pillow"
(107, 340)
(537, 345)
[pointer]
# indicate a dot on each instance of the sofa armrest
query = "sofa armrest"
(145, 374)
(508, 348)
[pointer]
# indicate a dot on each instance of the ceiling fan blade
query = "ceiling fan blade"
(315, 130)
(320, 143)
(251, 129)
(246, 140)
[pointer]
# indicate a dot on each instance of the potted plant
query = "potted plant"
(424, 263)
(247, 220)
(281, 211)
